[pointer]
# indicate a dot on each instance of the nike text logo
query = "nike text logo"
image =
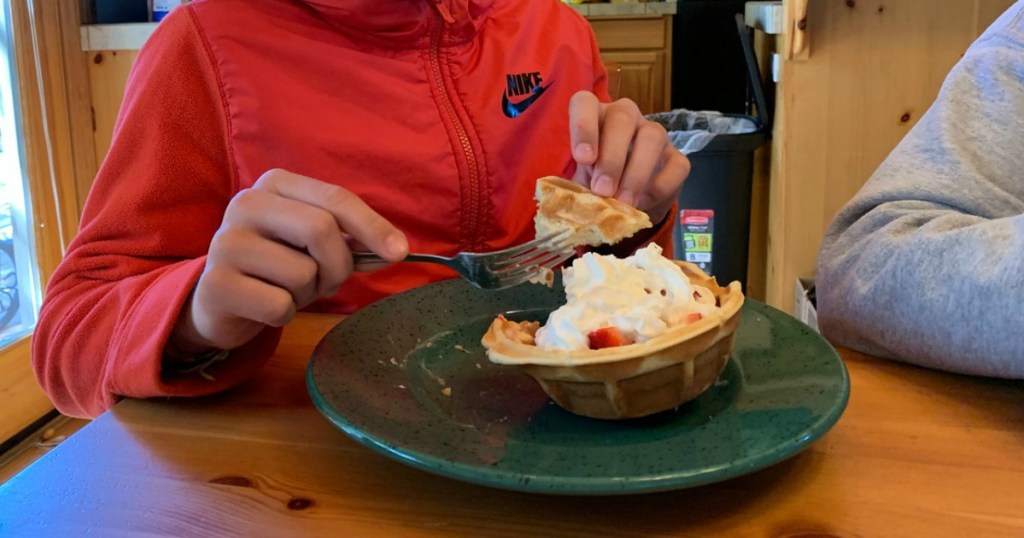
(521, 84)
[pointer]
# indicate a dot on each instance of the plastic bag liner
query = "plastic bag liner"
(692, 130)
(713, 226)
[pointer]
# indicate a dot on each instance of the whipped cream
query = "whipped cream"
(642, 295)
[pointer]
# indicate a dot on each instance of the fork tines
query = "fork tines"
(546, 252)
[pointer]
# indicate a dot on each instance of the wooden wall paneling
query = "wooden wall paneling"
(757, 253)
(108, 73)
(871, 70)
(23, 401)
(988, 11)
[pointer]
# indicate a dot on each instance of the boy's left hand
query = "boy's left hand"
(620, 153)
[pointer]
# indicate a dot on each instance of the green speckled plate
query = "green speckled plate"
(408, 377)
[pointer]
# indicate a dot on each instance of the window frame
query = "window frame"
(58, 161)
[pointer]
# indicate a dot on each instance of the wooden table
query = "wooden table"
(917, 453)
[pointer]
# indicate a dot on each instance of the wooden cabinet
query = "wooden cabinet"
(643, 47)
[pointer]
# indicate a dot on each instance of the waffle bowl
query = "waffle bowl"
(634, 380)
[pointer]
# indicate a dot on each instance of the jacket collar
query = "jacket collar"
(404, 23)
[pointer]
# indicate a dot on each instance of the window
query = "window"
(19, 275)
(38, 201)
(46, 160)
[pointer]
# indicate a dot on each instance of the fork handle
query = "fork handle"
(366, 257)
(359, 257)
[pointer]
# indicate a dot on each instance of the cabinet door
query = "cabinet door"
(643, 47)
(643, 78)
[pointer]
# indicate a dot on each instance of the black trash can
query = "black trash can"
(713, 224)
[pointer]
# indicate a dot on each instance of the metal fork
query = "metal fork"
(501, 269)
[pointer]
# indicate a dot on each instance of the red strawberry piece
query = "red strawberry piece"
(607, 337)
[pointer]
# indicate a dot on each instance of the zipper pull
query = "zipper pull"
(442, 9)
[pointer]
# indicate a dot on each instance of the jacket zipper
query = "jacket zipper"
(472, 218)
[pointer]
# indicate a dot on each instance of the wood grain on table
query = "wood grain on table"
(917, 453)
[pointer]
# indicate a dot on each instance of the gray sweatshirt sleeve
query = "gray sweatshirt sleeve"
(926, 263)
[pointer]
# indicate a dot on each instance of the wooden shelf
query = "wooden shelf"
(127, 36)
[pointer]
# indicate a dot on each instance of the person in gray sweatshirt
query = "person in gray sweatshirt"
(926, 263)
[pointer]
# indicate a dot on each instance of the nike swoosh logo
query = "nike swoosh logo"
(512, 110)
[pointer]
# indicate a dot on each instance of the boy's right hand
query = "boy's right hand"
(281, 246)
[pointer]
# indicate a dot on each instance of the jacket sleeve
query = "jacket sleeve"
(156, 202)
(926, 263)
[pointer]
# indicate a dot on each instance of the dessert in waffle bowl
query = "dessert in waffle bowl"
(636, 336)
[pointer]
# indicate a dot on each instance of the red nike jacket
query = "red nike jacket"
(424, 108)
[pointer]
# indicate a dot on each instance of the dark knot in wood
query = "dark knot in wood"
(298, 503)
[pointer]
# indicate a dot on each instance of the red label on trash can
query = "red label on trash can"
(697, 230)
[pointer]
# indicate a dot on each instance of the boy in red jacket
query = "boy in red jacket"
(257, 138)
